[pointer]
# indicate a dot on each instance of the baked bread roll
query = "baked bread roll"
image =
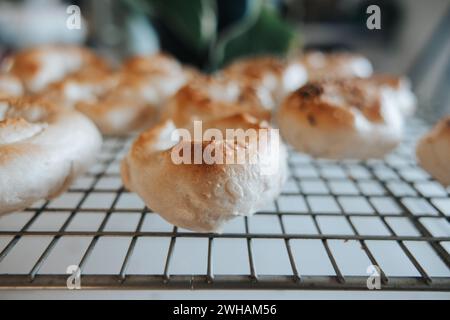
(125, 108)
(203, 196)
(130, 99)
(40, 66)
(277, 76)
(85, 85)
(433, 151)
(341, 119)
(163, 73)
(154, 63)
(208, 98)
(10, 86)
(337, 65)
(42, 149)
(120, 102)
(396, 89)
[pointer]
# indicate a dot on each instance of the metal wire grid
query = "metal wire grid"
(318, 190)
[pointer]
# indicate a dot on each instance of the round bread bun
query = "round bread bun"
(10, 86)
(396, 89)
(158, 63)
(341, 119)
(85, 85)
(42, 149)
(164, 75)
(277, 76)
(131, 99)
(433, 151)
(207, 98)
(131, 105)
(40, 66)
(338, 65)
(202, 197)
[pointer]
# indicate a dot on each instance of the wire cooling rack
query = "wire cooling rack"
(331, 223)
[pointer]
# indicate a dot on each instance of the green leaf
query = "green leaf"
(264, 33)
(193, 21)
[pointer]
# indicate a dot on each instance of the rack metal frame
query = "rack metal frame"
(211, 281)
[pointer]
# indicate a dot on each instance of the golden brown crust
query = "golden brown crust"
(275, 76)
(441, 130)
(350, 118)
(26, 63)
(255, 68)
(30, 64)
(10, 86)
(116, 102)
(73, 88)
(42, 149)
(208, 98)
(33, 109)
(333, 101)
(203, 195)
(330, 103)
(383, 80)
(160, 63)
(433, 151)
(123, 100)
(239, 120)
(335, 65)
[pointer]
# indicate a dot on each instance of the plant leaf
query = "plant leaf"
(193, 21)
(265, 33)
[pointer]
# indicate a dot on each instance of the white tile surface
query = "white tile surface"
(67, 251)
(23, 256)
(190, 256)
(14, 221)
(230, 256)
(271, 257)
(107, 256)
(149, 256)
(311, 258)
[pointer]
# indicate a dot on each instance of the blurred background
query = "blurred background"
(413, 39)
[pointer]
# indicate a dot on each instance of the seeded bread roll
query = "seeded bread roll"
(203, 195)
(433, 151)
(341, 119)
(42, 150)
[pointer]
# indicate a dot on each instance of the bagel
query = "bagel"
(278, 76)
(433, 151)
(336, 65)
(341, 119)
(42, 149)
(10, 86)
(203, 196)
(40, 66)
(207, 98)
